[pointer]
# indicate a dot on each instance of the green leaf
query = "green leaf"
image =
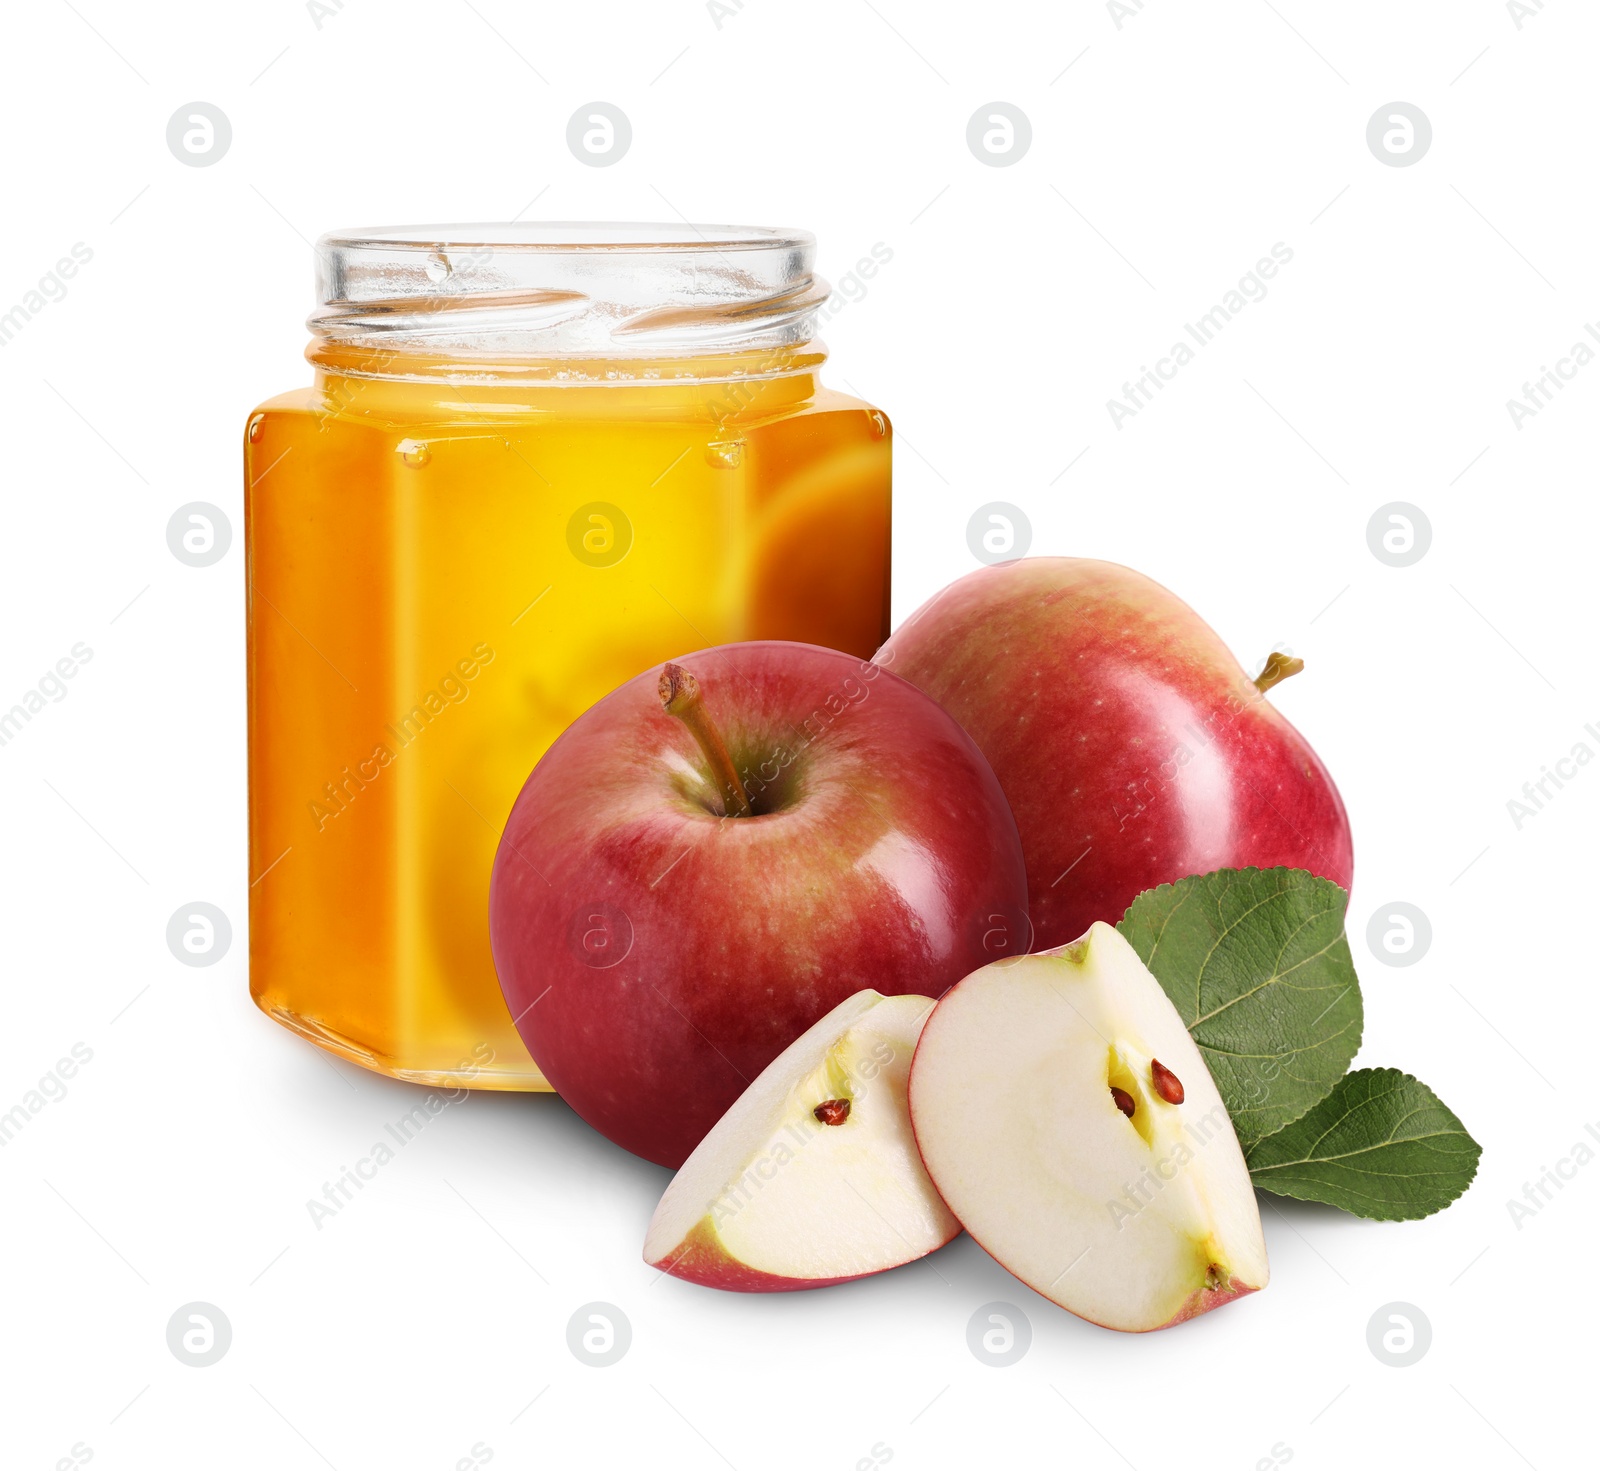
(1257, 964)
(1381, 1145)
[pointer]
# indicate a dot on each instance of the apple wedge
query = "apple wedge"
(812, 1177)
(1070, 1123)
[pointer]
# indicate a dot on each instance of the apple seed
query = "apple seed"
(1166, 1081)
(1123, 1100)
(835, 1111)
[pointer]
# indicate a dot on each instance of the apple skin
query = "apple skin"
(656, 955)
(1203, 1301)
(703, 1261)
(1132, 746)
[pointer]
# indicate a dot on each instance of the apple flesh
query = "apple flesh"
(1133, 1211)
(812, 1177)
(657, 951)
(1133, 748)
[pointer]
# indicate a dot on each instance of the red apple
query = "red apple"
(716, 855)
(1133, 748)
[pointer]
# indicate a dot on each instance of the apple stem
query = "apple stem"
(1278, 668)
(680, 697)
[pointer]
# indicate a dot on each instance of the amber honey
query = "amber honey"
(450, 557)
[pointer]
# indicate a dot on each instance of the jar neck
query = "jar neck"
(537, 303)
(365, 380)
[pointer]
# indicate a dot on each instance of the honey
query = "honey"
(534, 462)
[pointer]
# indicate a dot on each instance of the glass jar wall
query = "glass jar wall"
(535, 460)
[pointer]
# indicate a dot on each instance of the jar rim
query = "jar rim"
(558, 290)
(552, 236)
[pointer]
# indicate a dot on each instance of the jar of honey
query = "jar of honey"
(534, 461)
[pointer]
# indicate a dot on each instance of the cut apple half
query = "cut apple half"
(1069, 1122)
(812, 1177)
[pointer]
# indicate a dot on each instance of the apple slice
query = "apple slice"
(812, 1176)
(1069, 1121)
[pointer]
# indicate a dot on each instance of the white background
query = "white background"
(1168, 155)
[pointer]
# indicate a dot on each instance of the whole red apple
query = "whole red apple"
(719, 853)
(1133, 748)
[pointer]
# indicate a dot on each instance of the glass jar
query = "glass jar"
(535, 460)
